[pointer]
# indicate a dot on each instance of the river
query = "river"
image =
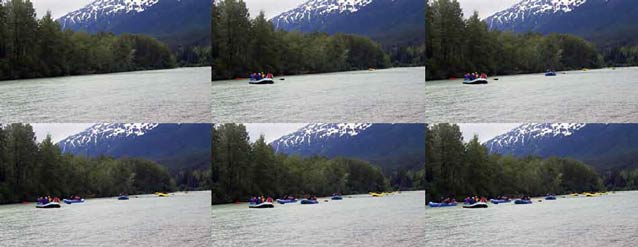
(178, 220)
(604, 95)
(359, 220)
(608, 220)
(389, 95)
(174, 95)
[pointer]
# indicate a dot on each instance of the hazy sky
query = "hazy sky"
(271, 131)
(485, 132)
(485, 7)
(58, 7)
(58, 131)
(271, 7)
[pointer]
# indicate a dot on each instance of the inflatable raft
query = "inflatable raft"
(306, 201)
(550, 73)
(475, 81)
(261, 205)
(73, 201)
(262, 81)
(441, 205)
(519, 201)
(337, 198)
(476, 205)
(550, 198)
(497, 201)
(284, 201)
(121, 198)
(48, 205)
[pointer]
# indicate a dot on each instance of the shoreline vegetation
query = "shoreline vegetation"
(242, 46)
(242, 170)
(29, 169)
(39, 48)
(456, 46)
(457, 169)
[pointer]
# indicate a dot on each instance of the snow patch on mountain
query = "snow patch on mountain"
(319, 8)
(319, 131)
(532, 131)
(105, 8)
(528, 9)
(106, 131)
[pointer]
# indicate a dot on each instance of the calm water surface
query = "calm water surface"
(175, 95)
(604, 95)
(178, 220)
(396, 220)
(390, 95)
(609, 220)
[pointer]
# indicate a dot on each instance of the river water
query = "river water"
(609, 220)
(174, 95)
(178, 220)
(603, 95)
(362, 220)
(390, 95)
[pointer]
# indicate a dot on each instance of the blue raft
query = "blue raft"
(284, 201)
(519, 201)
(441, 205)
(306, 201)
(73, 201)
(497, 201)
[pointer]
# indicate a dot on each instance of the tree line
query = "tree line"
(456, 46)
(242, 169)
(242, 45)
(458, 169)
(32, 48)
(29, 169)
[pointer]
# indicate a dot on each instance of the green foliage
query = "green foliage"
(241, 170)
(29, 169)
(242, 46)
(31, 48)
(459, 169)
(456, 46)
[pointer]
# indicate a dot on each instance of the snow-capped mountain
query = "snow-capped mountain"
(566, 16)
(384, 20)
(317, 10)
(99, 10)
(388, 145)
(530, 11)
(163, 143)
(166, 18)
(603, 145)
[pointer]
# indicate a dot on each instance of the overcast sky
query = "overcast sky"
(58, 7)
(271, 131)
(271, 7)
(485, 132)
(58, 131)
(485, 7)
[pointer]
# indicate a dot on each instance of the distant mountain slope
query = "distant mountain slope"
(185, 20)
(167, 144)
(387, 21)
(602, 145)
(390, 146)
(568, 16)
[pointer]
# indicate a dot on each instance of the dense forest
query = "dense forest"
(458, 169)
(32, 47)
(456, 46)
(242, 45)
(29, 169)
(242, 170)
